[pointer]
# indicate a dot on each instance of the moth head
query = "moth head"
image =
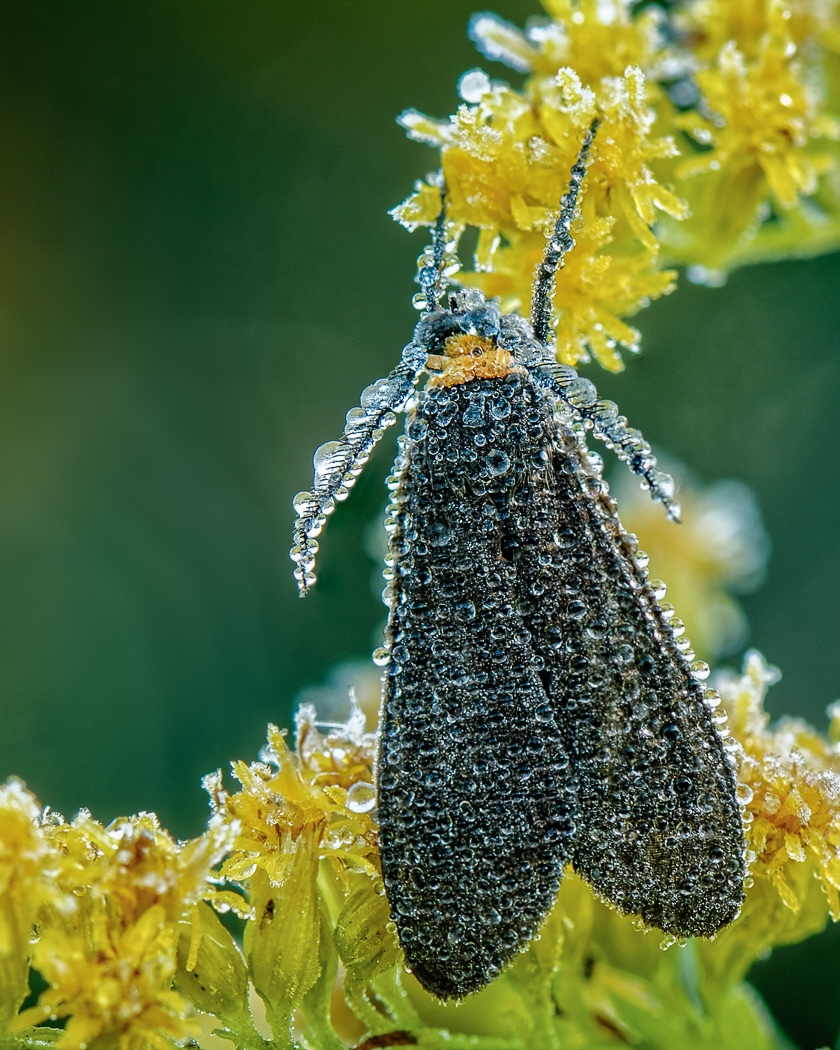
(473, 339)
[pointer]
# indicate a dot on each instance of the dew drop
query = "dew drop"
(304, 503)
(744, 793)
(381, 656)
(439, 534)
(322, 460)
(361, 797)
(473, 85)
(497, 463)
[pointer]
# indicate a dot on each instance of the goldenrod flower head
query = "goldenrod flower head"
(719, 551)
(596, 38)
(294, 811)
(130, 950)
(714, 23)
(763, 121)
(321, 793)
(596, 290)
(506, 160)
(24, 886)
(133, 864)
(792, 791)
(23, 852)
(754, 80)
(120, 993)
(107, 938)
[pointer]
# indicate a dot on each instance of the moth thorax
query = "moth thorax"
(467, 357)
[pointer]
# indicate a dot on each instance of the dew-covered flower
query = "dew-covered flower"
(25, 863)
(714, 23)
(506, 160)
(716, 147)
(596, 38)
(761, 164)
(107, 939)
(305, 850)
(792, 777)
(762, 123)
(318, 798)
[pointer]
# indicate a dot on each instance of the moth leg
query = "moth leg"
(608, 426)
(339, 463)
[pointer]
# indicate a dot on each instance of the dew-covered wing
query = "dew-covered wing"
(659, 827)
(475, 801)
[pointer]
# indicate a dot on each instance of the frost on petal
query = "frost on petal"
(792, 814)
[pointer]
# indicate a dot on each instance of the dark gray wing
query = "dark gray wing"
(476, 806)
(659, 825)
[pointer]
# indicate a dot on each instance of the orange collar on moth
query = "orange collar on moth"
(469, 357)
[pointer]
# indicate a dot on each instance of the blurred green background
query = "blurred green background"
(197, 277)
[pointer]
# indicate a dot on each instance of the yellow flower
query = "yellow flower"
(295, 810)
(790, 784)
(713, 23)
(794, 777)
(596, 289)
(596, 38)
(117, 990)
(764, 120)
(133, 864)
(24, 885)
(506, 161)
(766, 184)
(107, 940)
(322, 794)
(766, 70)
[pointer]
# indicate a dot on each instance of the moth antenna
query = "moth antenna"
(437, 259)
(339, 463)
(578, 393)
(558, 245)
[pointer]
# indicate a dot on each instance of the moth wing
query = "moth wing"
(476, 809)
(659, 824)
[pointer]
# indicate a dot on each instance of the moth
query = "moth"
(538, 709)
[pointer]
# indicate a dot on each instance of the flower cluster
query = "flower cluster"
(111, 908)
(306, 853)
(792, 781)
(715, 147)
(133, 954)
